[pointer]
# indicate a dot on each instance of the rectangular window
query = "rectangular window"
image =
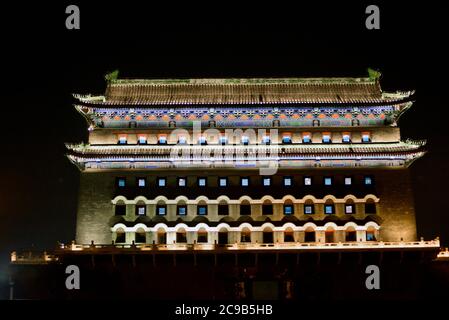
(308, 209)
(121, 237)
(287, 139)
(121, 182)
(181, 237)
(162, 140)
(140, 210)
(182, 182)
(122, 140)
(307, 181)
(327, 181)
(181, 210)
(245, 237)
(202, 140)
(161, 182)
(368, 180)
(202, 237)
(289, 237)
(287, 181)
(366, 137)
(244, 182)
(223, 209)
(370, 208)
(349, 209)
(348, 181)
(329, 209)
(245, 209)
(202, 182)
(346, 138)
(142, 140)
(245, 140)
(140, 237)
(267, 209)
(266, 182)
(288, 209)
(182, 140)
(223, 182)
(327, 138)
(266, 140)
(202, 210)
(120, 210)
(161, 210)
(223, 140)
(306, 138)
(370, 236)
(141, 182)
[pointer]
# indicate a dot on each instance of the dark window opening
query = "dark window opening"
(267, 209)
(202, 237)
(309, 236)
(268, 237)
(223, 209)
(121, 237)
(120, 209)
(181, 237)
(140, 237)
(245, 209)
(223, 237)
(288, 236)
(370, 208)
(351, 236)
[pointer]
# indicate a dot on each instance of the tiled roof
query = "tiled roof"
(243, 91)
(137, 151)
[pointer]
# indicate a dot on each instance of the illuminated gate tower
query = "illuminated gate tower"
(340, 166)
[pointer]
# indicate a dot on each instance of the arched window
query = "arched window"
(329, 207)
(120, 236)
(330, 235)
(161, 236)
(181, 208)
(370, 207)
(349, 207)
(289, 235)
(223, 208)
(371, 234)
(309, 235)
(350, 234)
(289, 208)
(245, 235)
(267, 208)
(202, 236)
(120, 208)
(140, 236)
(141, 208)
(161, 209)
(201, 208)
(223, 236)
(267, 235)
(309, 207)
(245, 208)
(181, 236)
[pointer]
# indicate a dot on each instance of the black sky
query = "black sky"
(43, 63)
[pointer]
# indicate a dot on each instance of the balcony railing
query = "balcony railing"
(31, 257)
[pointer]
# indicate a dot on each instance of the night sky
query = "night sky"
(44, 63)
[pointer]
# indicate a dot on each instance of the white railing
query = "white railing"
(255, 246)
(44, 257)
